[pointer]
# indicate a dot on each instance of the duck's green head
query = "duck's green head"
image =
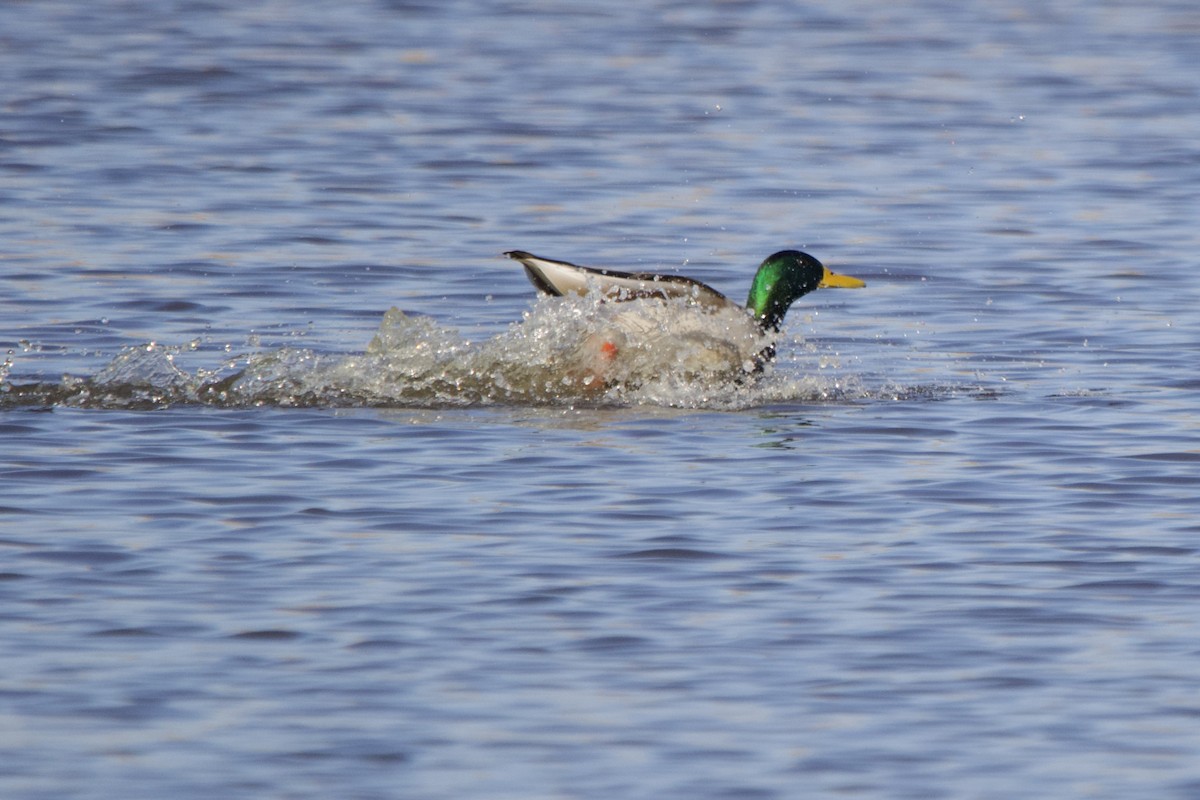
(785, 277)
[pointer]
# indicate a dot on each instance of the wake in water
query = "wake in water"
(552, 357)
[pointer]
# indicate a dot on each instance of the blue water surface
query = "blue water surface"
(945, 548)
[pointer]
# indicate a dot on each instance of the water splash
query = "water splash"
(566, 351)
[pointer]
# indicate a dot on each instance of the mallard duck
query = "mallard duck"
(727, 335)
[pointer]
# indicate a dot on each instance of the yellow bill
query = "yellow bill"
(834, 281)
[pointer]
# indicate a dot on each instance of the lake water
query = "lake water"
(947, 547)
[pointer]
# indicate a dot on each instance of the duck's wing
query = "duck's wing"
(560, 277)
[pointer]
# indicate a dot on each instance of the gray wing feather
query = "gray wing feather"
(561, 278)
